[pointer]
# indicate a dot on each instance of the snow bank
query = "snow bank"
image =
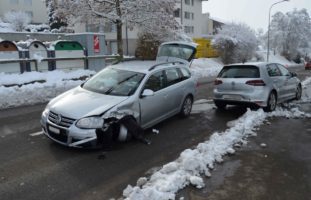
(51, 76)
(306, 82)
(54, 83)
(187, 169)
(192, 163)
(277, 59)
(33, 93)
(6, 27)
(205, 67)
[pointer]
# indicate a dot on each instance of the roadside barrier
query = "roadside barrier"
(24, 62)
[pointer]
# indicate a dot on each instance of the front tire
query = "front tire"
(272, 101)
(186, 107)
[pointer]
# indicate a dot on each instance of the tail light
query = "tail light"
(217, 82)
(256, 83)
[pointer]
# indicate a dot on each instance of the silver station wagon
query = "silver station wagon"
(256, 84)
(149, 92)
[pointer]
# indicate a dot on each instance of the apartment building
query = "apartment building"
(188, 13)
(35, 8)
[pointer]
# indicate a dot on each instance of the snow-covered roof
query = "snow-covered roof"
(218, 20)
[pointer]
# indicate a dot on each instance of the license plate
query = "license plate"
(231, 97)
(54, 130)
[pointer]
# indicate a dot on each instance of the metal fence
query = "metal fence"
(109, 59)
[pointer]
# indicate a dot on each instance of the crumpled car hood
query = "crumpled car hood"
(79, 103)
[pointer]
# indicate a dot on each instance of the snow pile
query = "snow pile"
(51, 76)
(187, 169)
(54, 83)
(192, 163)
(276, 59)
(289, 113)
(205, 67)
(306, 82)
(5, 27)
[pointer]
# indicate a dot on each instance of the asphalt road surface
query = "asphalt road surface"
(34, 167)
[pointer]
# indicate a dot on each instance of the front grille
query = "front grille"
(60, 120)
(61, 136)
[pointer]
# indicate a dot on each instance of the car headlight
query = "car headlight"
(90, 122)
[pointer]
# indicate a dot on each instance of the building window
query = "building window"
(189, 2)
(187, 15)
(177, 13)
(14, 1)
(189, 29)
(28, 2)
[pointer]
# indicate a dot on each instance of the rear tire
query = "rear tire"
(220, 105)
(186, 107)
(272, 101)
(298, 92)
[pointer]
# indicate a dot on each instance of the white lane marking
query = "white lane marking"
(36, 134)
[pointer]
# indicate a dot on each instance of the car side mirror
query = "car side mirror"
(147, 93)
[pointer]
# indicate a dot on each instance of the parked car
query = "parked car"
(149, 93)
(308, 65)
(256, 84)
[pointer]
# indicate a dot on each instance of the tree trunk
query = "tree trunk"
(119, 38)
(119, 29)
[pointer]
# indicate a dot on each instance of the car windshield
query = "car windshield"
(184, 52)
(242, 71)
(115, 82)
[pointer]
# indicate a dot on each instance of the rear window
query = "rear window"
(243, 71)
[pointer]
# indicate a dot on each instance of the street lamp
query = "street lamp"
(269, 27)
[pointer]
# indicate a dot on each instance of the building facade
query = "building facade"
(35, 8)
(188, 13)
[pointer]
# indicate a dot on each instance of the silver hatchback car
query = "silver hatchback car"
(260, 84)
(149, 93)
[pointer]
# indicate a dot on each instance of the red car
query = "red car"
(308, 65)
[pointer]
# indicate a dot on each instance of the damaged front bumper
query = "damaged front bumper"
(72, 136)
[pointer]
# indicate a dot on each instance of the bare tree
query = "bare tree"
(135, 13)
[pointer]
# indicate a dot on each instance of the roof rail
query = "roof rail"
(159, 64)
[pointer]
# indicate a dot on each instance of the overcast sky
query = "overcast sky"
(252, 12)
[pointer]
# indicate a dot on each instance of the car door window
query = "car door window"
(172, 76)
(273, 70)
(283, 70)
(155, 82)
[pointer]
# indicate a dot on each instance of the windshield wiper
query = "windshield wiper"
(113, 87)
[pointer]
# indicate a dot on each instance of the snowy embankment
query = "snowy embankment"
(192, 164)
(34, 87)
